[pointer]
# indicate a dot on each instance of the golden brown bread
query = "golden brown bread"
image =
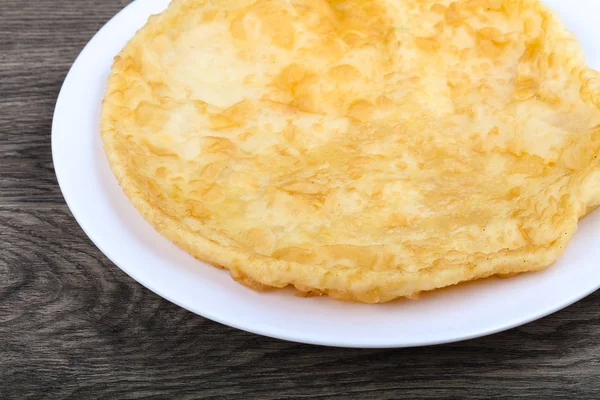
(366, 150)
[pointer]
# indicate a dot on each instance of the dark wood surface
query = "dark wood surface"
(72, 325)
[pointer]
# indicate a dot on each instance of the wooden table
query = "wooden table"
(72, 325)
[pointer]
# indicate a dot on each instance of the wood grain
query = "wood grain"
(72, 325)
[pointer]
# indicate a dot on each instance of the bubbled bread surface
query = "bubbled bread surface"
(367, 150)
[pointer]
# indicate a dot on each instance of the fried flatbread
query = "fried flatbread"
(366, 150)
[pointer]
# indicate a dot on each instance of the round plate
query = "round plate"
(113, 224)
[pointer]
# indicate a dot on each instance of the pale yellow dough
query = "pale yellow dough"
(367, 150)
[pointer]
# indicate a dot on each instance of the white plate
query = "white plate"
(459, 313)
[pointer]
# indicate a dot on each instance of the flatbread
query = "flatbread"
(366, 150)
